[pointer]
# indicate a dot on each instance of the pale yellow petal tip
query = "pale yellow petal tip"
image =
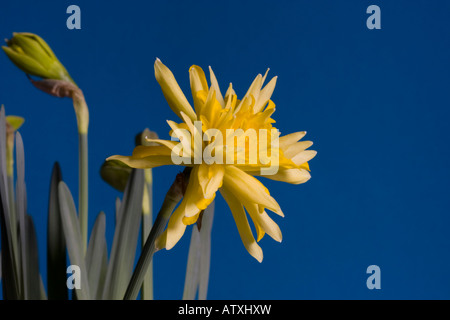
(116, 157)
(256, 252)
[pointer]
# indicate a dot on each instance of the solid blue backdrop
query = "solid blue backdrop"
(375, 103)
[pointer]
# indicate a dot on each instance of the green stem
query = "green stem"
(83, 187)
(172, 198)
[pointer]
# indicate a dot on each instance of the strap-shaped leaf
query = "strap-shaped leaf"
(117, 215)
(193, 266)
(72, 234)
(197, 271)
(95, 253)
(56, 243)
(123, 250)
(21, 214)
(32, 277)
(10, 281)
(205, 251)
(147, 222)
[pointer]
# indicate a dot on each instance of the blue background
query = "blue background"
(375, 103)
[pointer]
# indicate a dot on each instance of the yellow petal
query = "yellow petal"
(215, 87)
(248, 189)
(185, 137)
(144, 163)
(242, 224)
(296, 148)
(175, 229)
(265, 95)
(168, 143)
(210, 178)
(229, 94)
(253, 91)
(172, 91)
(287, 140)
(304, 156)
(146, 151)
(264, 222)
(293, 176)
(198, 84)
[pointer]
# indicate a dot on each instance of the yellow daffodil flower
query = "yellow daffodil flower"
(216, 164)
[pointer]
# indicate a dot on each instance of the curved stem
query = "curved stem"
(172, 198)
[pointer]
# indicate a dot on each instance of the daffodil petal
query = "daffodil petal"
(168, 143)
(198, 84)
(265, 95)
(287, 140)
(215, 87)
(172, 91)
(196, 201)
(144, 163)
(146, 151)
(296, 148)
(249, 189)
(304, 156)
(264, 222)
(210, 178)
(254, 89)
(242, 224)
(293, 176)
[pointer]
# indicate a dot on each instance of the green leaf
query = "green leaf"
(21, 208)
(28, 242)
(147, 222)
(123, 250)
(33, 283)
(10, 281)
(95, 253)
(117, 215)
(197, 271)
(205, 251)
(193, 266)
(72, 234)
(56, 243)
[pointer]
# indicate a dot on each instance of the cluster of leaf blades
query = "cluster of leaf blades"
(101, 277)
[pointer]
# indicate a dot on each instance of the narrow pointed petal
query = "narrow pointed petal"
(216, 88)
(264, 222)
(210, 178)
(249, 189)
(146, 151)
(292, 176)
(242, 224)
(196, 199)
(265, 95)
(304, 156)
(144, 163)
(296, 148)
(287, 140)
(253, 91)
(172, 91)
(198, 84)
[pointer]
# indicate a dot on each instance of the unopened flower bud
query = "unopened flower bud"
(31, 54)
